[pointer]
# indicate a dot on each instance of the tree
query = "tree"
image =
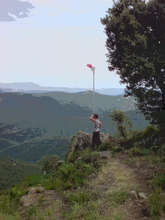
(122, 121)
(136, 50)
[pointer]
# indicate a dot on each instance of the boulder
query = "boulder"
(82, 141)
(105, 154)
(33, 190)
(38, 196)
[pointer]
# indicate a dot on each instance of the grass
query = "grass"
(156, 202)
(85, 197)
(113, 175)
(4, 216)
(117, 198)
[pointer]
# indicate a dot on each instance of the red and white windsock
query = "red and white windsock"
(91, 67)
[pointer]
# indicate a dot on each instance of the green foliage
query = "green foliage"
(16, 192)
(123, 123)
(9, 200)
(117, 197)
(75, 154)
(4, 216)
(159, 179)
(78, 197)
(68, 176)
(104, 146)
(32, 180)
(90, 157)
(112, 146)
(14, 171)
(135, 152)
(48, 163)
(157, 203)
(135, 43)
(146, 138)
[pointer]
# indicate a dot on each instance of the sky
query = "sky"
(50, 42)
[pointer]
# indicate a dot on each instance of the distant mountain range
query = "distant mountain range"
(30, 87)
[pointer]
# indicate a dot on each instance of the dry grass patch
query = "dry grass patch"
(113, 176)
(111, 188)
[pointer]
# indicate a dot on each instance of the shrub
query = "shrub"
(68, 176)
(159, 180)
(104, 146)
(48, 163)
(32, 180)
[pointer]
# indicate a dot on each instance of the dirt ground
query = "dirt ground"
(143, 170)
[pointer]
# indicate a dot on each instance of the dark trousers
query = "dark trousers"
(96, 139)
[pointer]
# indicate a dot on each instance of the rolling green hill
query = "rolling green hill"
(85, 99)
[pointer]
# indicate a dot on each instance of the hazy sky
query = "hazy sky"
(50, 42)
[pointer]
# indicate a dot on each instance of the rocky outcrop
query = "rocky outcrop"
(37, 196)
(82, 141)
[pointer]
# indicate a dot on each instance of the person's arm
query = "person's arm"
(92, 119)
(100, 124)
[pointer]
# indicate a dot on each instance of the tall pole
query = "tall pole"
(93, 91)
(93, 70)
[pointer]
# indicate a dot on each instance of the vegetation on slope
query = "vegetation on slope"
(14, 171)
(35, 149)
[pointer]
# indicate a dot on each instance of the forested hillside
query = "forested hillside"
(85, 99)
(13, 171)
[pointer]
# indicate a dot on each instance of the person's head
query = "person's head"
(95, 116)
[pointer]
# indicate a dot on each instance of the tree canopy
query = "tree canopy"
(135, 42)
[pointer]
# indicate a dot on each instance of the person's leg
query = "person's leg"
(94, 140)
(98, 141)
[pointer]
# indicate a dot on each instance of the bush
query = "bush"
(104, 146)
(48, 163)
(33, 180)
(68, 176)
(159, 180)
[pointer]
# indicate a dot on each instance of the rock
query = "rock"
(90, 157)
(36, 190)
(59, 163)
(105, 154)
(28, 200)
(104, 137)
(38, 196)
(82, 141)
(142, 195)
(133, 194)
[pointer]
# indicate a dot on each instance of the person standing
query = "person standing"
(96, 131)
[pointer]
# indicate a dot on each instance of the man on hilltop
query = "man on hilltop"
(96, 131)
